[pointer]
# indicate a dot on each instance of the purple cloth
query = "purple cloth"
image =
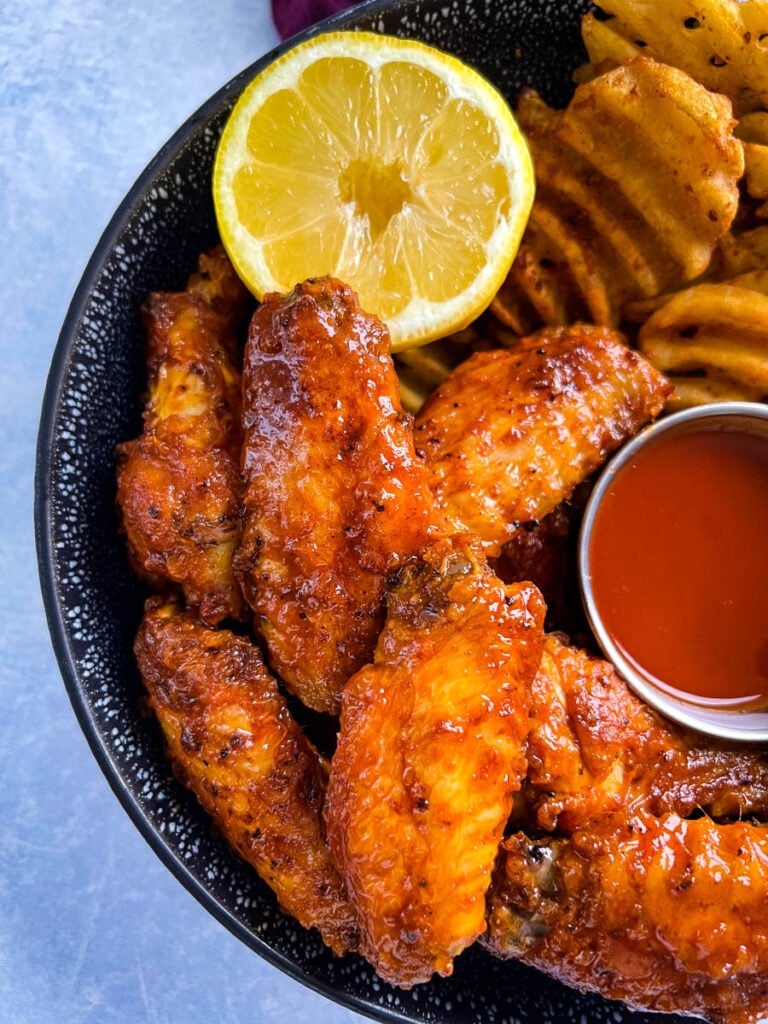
(291, 16)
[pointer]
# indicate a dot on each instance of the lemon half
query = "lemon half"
(384, 162)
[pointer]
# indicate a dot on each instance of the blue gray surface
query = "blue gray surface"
(93, 929)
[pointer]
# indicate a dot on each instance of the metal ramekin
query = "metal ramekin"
(750, 417)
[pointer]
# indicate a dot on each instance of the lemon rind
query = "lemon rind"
(421, 320)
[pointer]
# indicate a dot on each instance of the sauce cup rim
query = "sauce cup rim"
(742, 726)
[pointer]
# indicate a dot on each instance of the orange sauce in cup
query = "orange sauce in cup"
(679, 565)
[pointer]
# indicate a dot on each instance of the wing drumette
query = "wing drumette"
(179, 482)
(233, 742)
(335, 497)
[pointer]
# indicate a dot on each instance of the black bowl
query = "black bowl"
(93, 602)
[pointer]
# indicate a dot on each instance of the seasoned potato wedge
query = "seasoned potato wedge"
(720, 327)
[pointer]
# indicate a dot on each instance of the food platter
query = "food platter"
(93, 601)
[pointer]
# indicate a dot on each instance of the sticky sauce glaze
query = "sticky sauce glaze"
(679, 565)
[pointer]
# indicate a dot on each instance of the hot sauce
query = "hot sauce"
(679, 565)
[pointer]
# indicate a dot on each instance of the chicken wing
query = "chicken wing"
(595, 748)
(335, 497)
(179, 482)
(431, 750)
(510, 433)
(664, 913)
(542, 554)
(232, 741)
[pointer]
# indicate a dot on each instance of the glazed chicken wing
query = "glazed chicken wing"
(595, 748)
(179, 482)
(663, 913)
(510, 433)
(431, 750)
(233, 742)
(335, 497)
(541, 553)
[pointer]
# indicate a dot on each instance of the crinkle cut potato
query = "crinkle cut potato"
(720, 329)
(752, 129)
(614, 235)
(709, 338)
(452, 764)
(720, 43)
(622, 209)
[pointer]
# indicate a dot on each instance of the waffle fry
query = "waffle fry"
(711, 387)
(623, 210)
(420, 370)
(718, 328)
(720, 43)
(740, 253)
(606, 46)
(752, 129)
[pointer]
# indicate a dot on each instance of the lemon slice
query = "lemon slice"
(384, 162)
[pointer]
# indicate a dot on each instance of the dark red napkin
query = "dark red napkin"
(291, 16)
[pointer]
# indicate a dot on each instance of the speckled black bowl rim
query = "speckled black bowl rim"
(557, 1002)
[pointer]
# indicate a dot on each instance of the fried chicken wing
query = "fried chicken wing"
(233, 742)
(541, 553)
(595, 748)
(335, 497)
(664, 913)
(431, 750)
(510, 433)
(179, 482)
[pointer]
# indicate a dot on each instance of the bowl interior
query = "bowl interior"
(93, 601)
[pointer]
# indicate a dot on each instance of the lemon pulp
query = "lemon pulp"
(385, 163)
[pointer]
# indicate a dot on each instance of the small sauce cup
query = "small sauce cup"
(673, 567)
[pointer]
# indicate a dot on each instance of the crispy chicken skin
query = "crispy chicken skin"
(510, 433)
(430, 753)
(179, 482)
(335, 497)
(595, 748)
(664, 913)
(233, 742)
